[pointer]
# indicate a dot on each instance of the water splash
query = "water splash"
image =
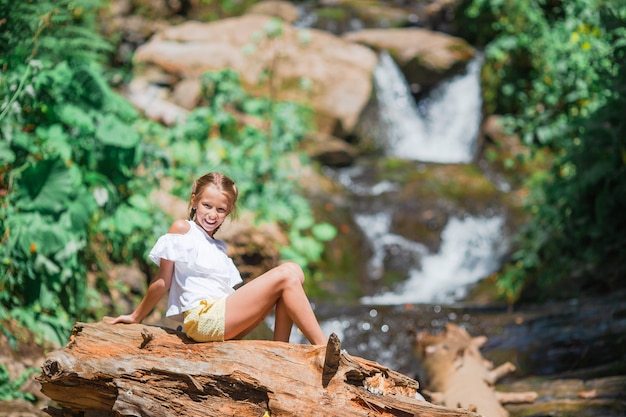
(376, 228)
(442, 127)
(471, 249)
(352, 179)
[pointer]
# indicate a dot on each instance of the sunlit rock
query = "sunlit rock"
(280, 63)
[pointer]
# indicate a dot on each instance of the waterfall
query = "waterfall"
(442, 127)
(472, 248)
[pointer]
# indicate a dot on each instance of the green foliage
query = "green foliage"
(50, 29)
(10, 390)
(556, 70)
(69, 153)
(547, 64)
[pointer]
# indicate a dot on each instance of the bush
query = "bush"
(556, 70)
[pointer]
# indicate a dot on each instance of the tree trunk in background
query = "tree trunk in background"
(458, 376)
(152, 371)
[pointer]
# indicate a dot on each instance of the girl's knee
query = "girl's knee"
(293, 271)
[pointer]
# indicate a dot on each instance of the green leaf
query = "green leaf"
(47, 298)
(113, 132)
(80, 210)
(290, 254)
(44, 265)
(306, 245)
(56, 140)
(324, 231)
(256, 106)
(303, 222)
(77, 117)
(189, 152)
(273, 28)
(69, 251)
(140, 201)
(127, 219)
(32, 233)
(50, 186)
(7, 156)
(24, 141)
(121, 107)
(281, 211)
(54, 329)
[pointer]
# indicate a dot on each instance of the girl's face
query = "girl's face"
(212, 207)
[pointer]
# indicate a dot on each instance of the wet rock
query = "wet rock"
(329, 150)
(154, 102)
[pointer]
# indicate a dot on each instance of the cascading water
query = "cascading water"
(440, 128)
(471, 249)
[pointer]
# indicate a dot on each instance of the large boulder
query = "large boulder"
(339, 72)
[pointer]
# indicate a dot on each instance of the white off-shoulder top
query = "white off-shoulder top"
(202, 270)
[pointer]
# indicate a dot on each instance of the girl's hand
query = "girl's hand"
(125, 318)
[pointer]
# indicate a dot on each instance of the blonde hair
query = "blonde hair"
(220, 181)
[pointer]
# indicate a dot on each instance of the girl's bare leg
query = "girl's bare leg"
(282, 322)
(252, 327)
(280, 287)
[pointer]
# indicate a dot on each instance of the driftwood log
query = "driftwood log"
(118, 370)
(457, 375)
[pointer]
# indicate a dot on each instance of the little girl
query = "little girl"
(200, 277)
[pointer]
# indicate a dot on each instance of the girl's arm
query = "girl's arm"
(157, 289)
(159, 285)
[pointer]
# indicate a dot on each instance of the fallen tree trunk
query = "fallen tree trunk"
(457, 375)
(152, 371)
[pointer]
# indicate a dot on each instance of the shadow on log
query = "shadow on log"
(134, 369)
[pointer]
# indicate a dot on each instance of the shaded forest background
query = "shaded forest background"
(79, 163)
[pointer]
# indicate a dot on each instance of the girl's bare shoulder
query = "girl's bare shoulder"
(179, 227)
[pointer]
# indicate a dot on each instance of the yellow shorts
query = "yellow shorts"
(205, 323)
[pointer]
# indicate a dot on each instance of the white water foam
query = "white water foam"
(472, 249)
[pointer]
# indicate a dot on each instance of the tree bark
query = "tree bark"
(134, 369)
